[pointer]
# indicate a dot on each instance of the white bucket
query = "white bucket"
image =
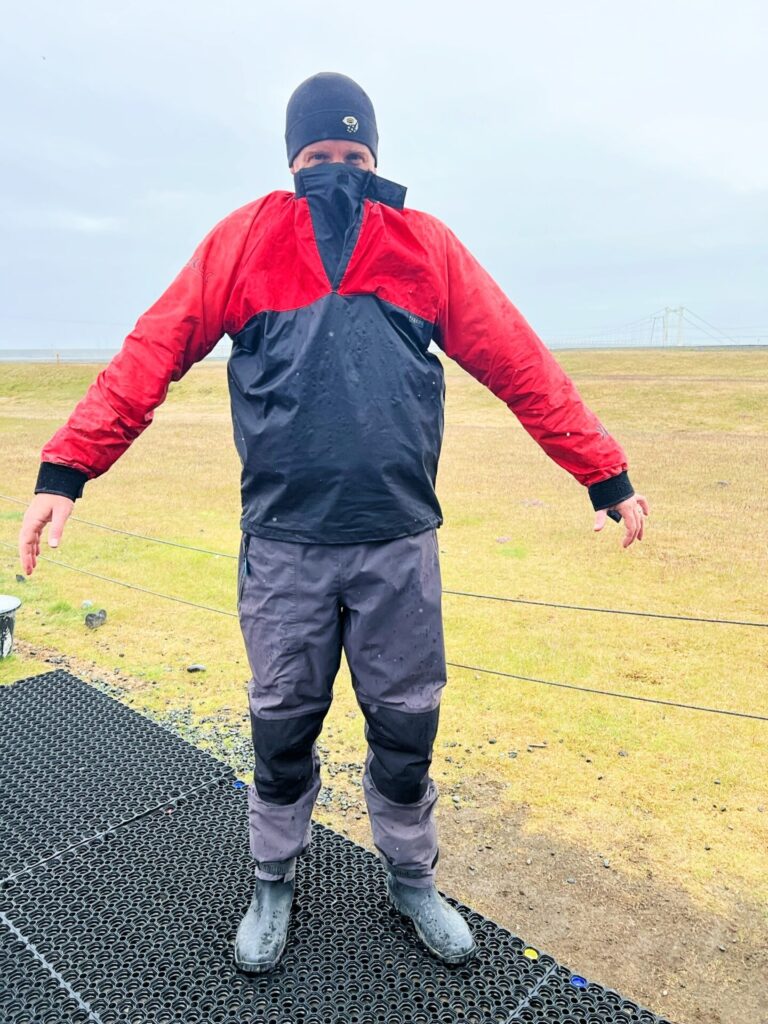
(8, 606)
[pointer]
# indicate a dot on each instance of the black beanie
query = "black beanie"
(329, 106)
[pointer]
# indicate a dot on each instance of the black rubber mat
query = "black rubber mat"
(153, 911)
(74, 761)
(29, 991)
(140, 923)
(570, 999)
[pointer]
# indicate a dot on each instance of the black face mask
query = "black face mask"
(335, 193)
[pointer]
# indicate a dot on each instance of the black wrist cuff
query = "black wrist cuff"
(610, 492)
(55, 479)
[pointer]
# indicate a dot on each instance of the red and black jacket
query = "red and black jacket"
(331, 296)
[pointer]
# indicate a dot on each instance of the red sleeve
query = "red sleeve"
(178, 330)
(483, 332)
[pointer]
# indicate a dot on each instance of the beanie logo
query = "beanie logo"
(351, 123)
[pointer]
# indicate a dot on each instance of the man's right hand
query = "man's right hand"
(44, 508)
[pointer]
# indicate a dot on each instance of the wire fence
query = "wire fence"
(473, 668)
(458, 593)
(612, 693)
(130, 586)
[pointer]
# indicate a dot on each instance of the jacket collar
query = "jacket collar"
(357, 183)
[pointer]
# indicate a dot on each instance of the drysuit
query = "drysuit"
(331, 295)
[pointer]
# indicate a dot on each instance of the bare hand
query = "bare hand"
(44, 508)
(633, 511)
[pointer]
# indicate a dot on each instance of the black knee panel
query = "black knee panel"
(282, 750)
(401, 744)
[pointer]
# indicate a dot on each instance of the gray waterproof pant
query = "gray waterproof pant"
(299, 605)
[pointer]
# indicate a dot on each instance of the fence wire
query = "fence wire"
(458, 593)
(452, 664)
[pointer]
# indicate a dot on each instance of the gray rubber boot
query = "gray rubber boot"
(442, 929)
(261, 934)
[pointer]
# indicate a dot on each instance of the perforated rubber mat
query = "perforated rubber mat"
(29, 991)
(139, 923)
(75, 762)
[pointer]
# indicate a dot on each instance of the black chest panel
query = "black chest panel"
(338, 417)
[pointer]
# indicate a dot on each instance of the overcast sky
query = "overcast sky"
(601, 159)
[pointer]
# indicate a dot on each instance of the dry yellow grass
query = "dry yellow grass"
(695, 425)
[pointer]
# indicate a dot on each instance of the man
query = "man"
(331, 295)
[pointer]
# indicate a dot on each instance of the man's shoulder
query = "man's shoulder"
(233, 230)
(250, 210)
(423, 223)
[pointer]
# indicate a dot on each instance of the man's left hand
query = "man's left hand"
(633, 512)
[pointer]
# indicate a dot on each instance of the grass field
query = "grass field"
(660, 792)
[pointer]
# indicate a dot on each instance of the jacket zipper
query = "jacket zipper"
(350, 244)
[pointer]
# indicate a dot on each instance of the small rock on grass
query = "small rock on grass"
(20, 578)
(196, 668)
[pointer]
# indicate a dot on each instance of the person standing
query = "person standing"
(331, 294)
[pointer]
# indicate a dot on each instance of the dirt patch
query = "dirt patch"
(644, 939)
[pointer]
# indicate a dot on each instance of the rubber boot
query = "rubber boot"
(442, 929)
(261, 934)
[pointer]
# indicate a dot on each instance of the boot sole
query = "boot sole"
(456, 958)
(249, 967)
(262, 967)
